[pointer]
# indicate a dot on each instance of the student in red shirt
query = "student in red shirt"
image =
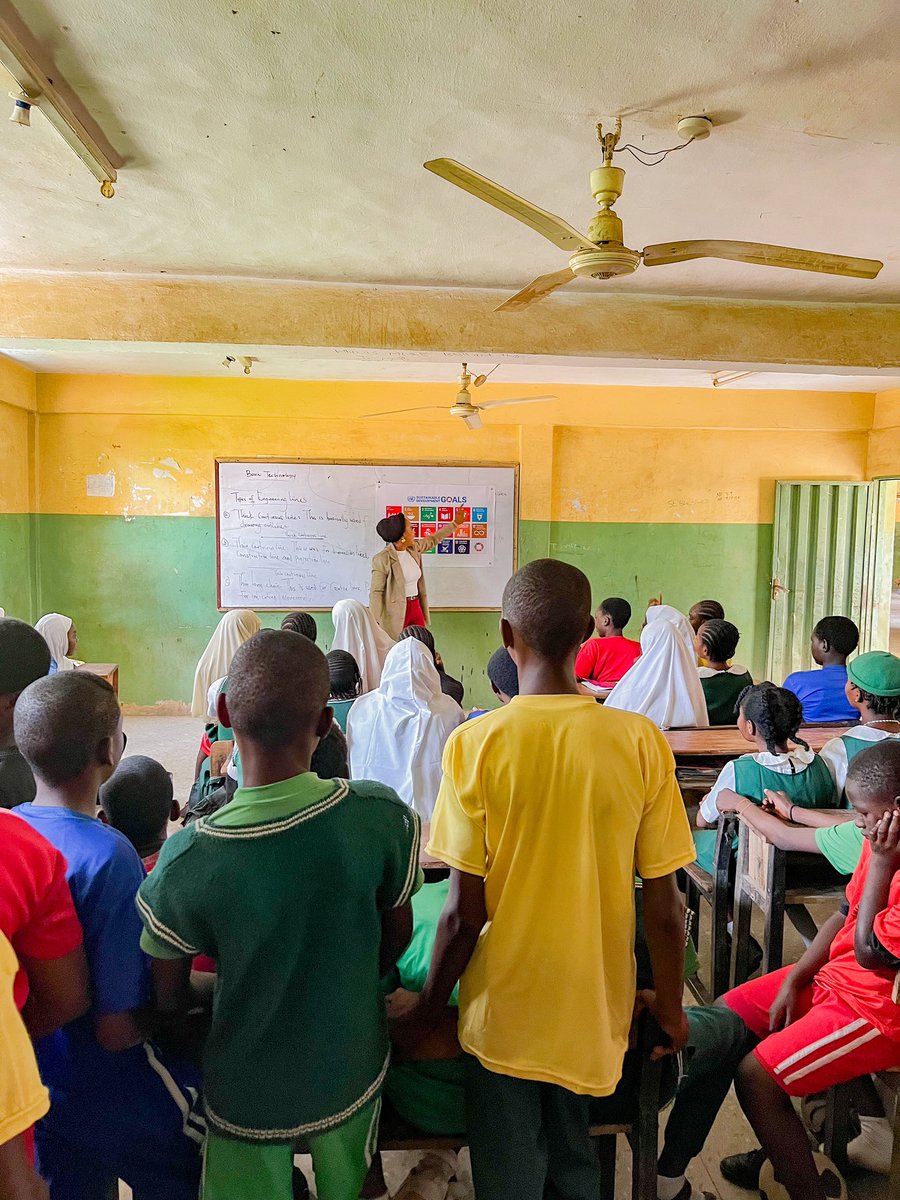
(38, 919)
(605, 658)
(835, 1015)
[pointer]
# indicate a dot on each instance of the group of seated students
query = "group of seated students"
(204, 1005)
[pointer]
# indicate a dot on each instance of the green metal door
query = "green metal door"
(828, 554)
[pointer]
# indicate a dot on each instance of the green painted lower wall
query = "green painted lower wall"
(17, 569)
(142, 591)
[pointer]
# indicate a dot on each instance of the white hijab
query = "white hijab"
(54, 629)
(397, 733)
(357, 631)
(235, 628)
(663, 684)
(665, 612)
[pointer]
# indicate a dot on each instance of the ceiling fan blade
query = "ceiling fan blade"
(517, 400)
(547, 224)
(473, 420)
(394, 412)
(763, 255)
(537, 290)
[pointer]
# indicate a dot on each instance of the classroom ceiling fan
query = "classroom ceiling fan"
(463, 405)
(602, 254)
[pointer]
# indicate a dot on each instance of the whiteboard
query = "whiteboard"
(302, 535)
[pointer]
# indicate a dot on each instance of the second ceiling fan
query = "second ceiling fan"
(463, 406)
(602, 254)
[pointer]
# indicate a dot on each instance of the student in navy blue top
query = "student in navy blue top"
(119, 1109)
(822, 692)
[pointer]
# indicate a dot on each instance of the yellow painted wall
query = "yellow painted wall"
(17, 404)
(884, 440)
(17, 488)
(596, 455)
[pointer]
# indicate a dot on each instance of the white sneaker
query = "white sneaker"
(873, 1148)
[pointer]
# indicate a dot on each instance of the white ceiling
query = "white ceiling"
(286, 139)
(321, 363)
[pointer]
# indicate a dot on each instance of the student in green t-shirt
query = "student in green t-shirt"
(300, 889)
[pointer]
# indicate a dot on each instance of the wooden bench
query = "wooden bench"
(763, 879)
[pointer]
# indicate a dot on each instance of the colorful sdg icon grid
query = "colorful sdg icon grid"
(426, 519)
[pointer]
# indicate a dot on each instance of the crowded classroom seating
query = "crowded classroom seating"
(379, 906)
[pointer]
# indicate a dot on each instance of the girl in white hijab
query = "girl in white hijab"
(235, 628)
(663, 684)
(356, 630)
(397, 733)
(665, 612)
(59, 634)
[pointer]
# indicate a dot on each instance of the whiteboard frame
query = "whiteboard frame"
(369, 462)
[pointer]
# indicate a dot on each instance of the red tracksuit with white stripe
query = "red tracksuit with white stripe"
(847, 1021)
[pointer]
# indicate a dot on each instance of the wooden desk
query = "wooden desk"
(725, 742)
(107, 671)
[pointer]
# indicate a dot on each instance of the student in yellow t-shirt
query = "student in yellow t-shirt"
(23, 1098)
(546, 807)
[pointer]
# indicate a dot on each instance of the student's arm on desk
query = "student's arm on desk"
(460, 926)
(812, 818)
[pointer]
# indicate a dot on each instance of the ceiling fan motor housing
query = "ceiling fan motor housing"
(605, 262)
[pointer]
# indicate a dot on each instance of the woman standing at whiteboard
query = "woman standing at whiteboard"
(398, 597)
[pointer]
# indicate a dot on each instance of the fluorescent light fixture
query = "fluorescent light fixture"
(21, 55)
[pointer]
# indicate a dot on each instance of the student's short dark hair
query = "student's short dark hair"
(344, 675)
(875, 772)
(419, 633)
(60, 721)
(776, 713)
(887, 707)
(839, 632)
(706, 610)
(24, 656)
(719, 639)
(277, 686)
(503, 672)
(137, 799)
(548, 603)
(302, 623)
(617, 609)
(391, 529)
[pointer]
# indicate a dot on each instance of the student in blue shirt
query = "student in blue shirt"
(822, 692)
(119, 1108)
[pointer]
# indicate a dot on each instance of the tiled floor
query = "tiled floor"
(174, 741)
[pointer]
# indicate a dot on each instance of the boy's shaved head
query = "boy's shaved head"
(874, 774)
(61, 720)
(277, 687)
(137, 799)
(548, 604)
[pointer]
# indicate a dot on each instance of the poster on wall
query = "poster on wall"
(428, 511)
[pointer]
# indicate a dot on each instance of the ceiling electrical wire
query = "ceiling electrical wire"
(656, 155)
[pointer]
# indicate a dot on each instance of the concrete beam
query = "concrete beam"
(273, 313)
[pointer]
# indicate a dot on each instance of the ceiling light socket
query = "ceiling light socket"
(694, 128)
